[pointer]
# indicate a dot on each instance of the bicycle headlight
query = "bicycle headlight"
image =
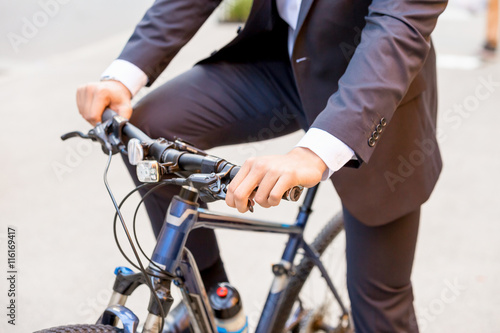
(148, 171)
(135, 151)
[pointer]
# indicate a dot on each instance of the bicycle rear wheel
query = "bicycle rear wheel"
(82, 329)
(308, 304)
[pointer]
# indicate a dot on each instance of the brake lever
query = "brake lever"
(74, 134)
(99, 133)
(222, 189)
(209, 185)
(109, 143)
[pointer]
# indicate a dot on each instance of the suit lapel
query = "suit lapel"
(260, 16)
(304, 10)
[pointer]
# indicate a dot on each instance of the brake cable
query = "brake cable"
(125, 229)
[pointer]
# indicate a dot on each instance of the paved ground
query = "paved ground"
(52, 192)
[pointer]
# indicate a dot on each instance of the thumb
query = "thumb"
(124, 109)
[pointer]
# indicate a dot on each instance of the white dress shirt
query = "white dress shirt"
(331, 150)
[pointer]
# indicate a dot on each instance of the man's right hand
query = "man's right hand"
(93, 98)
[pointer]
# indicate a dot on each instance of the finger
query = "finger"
(124, 110)
(252, 195)
(265, 187)
(81, 100)
(100, 101)
(245, 168)
(78, 96)
(245, 188)
(122, 105)
(284, 183)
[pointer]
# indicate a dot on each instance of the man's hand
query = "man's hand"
(274, 175)
(93, 98)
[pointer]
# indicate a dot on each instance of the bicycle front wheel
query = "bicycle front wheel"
(308, 305)
(83, 329)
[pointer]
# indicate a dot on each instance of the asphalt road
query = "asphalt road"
(52, 192)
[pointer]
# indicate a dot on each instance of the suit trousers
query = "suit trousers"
(226, 103)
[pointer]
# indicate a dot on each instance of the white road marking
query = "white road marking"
(453, 61)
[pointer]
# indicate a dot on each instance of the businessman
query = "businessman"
(358, 76)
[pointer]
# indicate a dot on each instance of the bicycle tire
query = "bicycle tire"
(302, 271)
(82, 329)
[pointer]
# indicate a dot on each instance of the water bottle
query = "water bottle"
(228, 309)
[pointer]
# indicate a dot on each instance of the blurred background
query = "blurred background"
(52, 191)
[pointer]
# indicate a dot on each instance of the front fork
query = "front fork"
(170, 261)
(125, 284)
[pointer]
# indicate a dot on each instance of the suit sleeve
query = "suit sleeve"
(394, 45)
(165, 28)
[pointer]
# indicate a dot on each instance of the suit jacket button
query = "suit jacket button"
(371, 142)
(379, 128)
(383, 122)
(375, 135)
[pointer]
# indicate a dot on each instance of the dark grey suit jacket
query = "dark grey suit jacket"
(365, 72)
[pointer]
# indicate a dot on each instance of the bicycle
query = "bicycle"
(206, 177)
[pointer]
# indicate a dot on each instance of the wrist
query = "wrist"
(117, 85)
(305, 154)
(127, 74)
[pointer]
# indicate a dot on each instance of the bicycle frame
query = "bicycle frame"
(172, 261)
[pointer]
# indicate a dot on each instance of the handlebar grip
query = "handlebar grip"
(292, 194)
(108, 114)
(234, 171)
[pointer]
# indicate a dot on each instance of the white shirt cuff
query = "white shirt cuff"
(127, 73)
(331, 150)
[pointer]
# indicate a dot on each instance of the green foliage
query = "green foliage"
(238, 10)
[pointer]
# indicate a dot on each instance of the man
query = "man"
(358, 75)
(490, 45)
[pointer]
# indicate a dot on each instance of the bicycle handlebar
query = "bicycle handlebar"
(188, 159)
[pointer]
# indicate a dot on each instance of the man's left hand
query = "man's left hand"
(274, 175)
